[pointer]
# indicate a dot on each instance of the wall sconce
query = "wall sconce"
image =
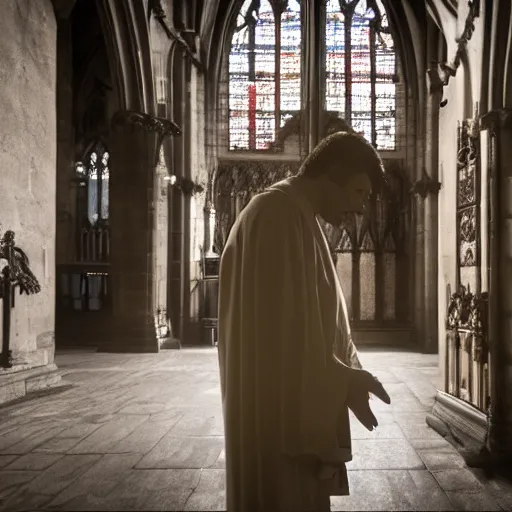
(80, 169)
(80, 176)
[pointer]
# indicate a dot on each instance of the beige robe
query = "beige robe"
(281, 313)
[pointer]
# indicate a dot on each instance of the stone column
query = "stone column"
(499, 124)
(185, 203)
(135, 143)
(174, 265)
(66, 188)
(430, 221)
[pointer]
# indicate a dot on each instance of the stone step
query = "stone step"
(17, 382)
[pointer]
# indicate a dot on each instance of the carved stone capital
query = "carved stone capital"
(497, 120)
(436, 78)
(163, 127)
(188, 187)
(155, 7)
(426, 186)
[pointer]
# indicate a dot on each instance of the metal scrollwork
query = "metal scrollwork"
(467, 314)
(15, 273)
(478, 326)
(235, 183)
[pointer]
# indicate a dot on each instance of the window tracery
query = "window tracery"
(468, 205)
(264, 72)
(94, 175)
(360, 69)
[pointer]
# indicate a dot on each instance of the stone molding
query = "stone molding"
(496, 119)
(463, 425)
(163, 127)
(426, 186)
(441, 72)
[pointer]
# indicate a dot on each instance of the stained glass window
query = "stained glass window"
(360, 69)
(96, 177)
(264, 72)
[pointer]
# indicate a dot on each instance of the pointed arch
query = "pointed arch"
(126, 34)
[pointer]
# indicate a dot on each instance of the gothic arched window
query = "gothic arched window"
(371, 256)
(264, 72)
(360, 69)
(94, 173)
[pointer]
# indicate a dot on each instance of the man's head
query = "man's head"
(345, 169)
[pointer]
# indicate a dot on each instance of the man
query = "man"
(282, 316)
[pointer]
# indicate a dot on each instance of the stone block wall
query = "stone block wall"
(28, 162)
(463, 94)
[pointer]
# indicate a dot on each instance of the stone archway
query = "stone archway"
(86, 98)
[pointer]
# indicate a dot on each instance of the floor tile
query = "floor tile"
(383, 454)
(33, 462)
(145, 432)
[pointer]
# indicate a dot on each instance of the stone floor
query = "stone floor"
(144, 432)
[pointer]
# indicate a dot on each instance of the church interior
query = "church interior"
(109, 392)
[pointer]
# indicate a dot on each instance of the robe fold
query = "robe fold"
(282, 318)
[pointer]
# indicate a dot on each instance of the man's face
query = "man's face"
(343, 196)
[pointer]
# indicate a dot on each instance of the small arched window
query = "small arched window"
(360, 69)
(94, 173)
(264, 72)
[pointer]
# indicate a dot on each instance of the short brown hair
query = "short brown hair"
(345, 152)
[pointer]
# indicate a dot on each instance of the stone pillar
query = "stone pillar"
(135, 143)
(430, 222)
(499, 124)
(66, 188)
(185, 202)
(174, 266)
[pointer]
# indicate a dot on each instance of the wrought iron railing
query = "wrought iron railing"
(15, 273)
(467, 348)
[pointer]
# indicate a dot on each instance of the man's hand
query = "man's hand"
(362, 383)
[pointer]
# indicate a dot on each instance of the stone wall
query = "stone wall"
(27, 164)
(199, 175)
(463, 94)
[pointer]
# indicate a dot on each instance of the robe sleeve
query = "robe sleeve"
(271, 349)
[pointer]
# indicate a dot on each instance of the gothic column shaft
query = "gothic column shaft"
(430, 225)
(500, 289)
(132, 223)
(66, 190)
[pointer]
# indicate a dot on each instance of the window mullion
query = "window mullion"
(348, 12)
(373, 80)
(277, 74)
(99, 188)
(251, 113)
